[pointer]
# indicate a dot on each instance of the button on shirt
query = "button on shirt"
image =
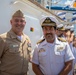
(52, 57)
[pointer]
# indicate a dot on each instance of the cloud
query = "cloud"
(69, 2)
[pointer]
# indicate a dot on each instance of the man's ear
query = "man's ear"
(25, 22)
(11, 21)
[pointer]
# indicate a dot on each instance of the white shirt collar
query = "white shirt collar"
(55, 42)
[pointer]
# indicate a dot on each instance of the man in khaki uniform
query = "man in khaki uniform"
(15, 47)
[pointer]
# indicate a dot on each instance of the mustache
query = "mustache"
(49, 34)
(19, 25)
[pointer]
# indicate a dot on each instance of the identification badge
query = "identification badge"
(60, 48)
(14, 46)
(42, 50)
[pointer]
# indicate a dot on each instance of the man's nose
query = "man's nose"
(48, 30)
(19, 22)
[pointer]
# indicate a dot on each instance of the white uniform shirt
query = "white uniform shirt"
(51, 57)
(74, 52)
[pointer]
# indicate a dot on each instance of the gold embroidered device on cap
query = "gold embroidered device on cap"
(48, 22)
(18, 14)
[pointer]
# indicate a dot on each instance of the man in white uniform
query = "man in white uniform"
(51, 56)
(60, 29)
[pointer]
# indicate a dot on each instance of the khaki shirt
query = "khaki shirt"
(14, 53)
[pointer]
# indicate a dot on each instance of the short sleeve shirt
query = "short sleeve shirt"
(52, 57)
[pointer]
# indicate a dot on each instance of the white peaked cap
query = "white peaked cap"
(67, 27)
(51, 17)
(72, 28)
(60, 25)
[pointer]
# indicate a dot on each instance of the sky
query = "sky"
(64, 2)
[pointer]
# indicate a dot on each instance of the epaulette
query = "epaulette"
(40, 41)
(61, 39)
(27, 39)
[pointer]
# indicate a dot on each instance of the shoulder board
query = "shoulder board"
(27, 39)
(61, 39)
(40, 41)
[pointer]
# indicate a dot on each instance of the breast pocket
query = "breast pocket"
(14, 49)
(42, 57)
(60, 56)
